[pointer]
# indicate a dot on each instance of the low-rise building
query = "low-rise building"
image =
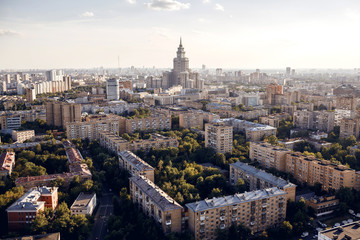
(135, 165)
(347, 231)
(156, 204)
(259, 179)
(22, 136)
(84, 204)
(7, 162)
(323, 205)
(257, 210)
(22, 212)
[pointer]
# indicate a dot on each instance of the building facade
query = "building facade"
(156, 204)
(84, 204)
(349, 127)
(135, 165)
(257, 210)
(60, 113)
(7, 162)
(219, 136)
(22, 136)
(258, 179)
(22, 212)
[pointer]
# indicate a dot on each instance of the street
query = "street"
(102, 214)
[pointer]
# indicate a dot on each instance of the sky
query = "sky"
(241, 34)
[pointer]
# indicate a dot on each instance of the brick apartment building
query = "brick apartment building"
(22, 212)
(219, 136)
(135, 165)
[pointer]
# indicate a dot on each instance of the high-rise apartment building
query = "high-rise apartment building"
(349, 127)
(10, 121)
(156, 204)
(112, 89)
(257, 210)
(135, 165)
(30, 94)
(258, 179)
(60, 113)
(219, 136)
(271, 91)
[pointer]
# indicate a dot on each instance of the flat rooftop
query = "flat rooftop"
(348, 231)
(267, 177)
(82, 201)
(158, 196)
(238, 198)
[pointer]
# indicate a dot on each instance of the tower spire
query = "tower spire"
(180, 42)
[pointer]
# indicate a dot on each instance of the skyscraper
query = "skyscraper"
(181, 74)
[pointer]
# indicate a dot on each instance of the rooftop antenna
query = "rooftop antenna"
(119, 65)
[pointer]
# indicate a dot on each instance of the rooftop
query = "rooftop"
(29, 201)
(267, 177)
(235, 199)
(7, 159)
(348, 231)
(82, 200)
(158, 196)
(135, 161)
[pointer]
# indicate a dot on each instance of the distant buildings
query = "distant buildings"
(314, 120)
(219, 136)
(112, 89)
(153, 122)
(257, 210)
(156, 204)
(84, 204)
(60, 113)
(135, 165)
(7, 162)
(272, 90)
(349, 127)
(181, 74)
(22, 212)
(347, 231)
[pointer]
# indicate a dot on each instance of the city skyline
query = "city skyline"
(226, 34)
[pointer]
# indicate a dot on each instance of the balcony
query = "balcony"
(202, 230)
(252, 223)
(222, 218)
(168, 222)
(159, 220)
(202, 223)
(234, 219)
(222, 226)
(202, 218)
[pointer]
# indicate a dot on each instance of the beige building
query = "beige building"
(305, 169)
(60, 113)
(84, 204)
(7, 162)
(259, 179)
(257, 210)
(92, 129)
(117, 144)
(154, 122)
(268, 155)
(22, 136)
(135, 165)
(219, 136)
(156, 204)
(323, 205)
(191, 120)
(349, 127)
(315, 120)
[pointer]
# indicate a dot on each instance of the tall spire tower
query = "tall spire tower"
(181, 63)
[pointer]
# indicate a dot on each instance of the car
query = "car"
(358, 214)
(318, 229)
(337, 225)
(350, 220)
(304, 234)
(351, 211)
(315, 236)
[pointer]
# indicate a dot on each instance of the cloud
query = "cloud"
(206, 1)
(167, 5)
(87, 14)
(131, 1)
(219, 7)
(8, 33)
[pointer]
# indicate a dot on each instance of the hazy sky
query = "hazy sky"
(218, 33)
